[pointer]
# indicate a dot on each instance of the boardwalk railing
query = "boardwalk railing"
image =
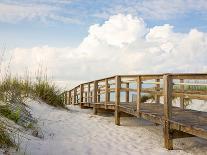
(117, 93)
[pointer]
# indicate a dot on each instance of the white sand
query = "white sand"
(78, 132)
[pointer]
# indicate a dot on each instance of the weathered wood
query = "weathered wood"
(182, 97)
(128, 90)
(74, 96)
(184, 123)
(117, 99)
(95, 85)
(157, 88)
(81, 93)
(106, 93)
(127, 93)
(167, 111)
(88, 92)
(86, 97)
(179, 134)
(139, 87)
(69, 97)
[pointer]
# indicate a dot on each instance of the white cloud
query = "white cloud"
(122, 45)
(154, 9)
(15, 12)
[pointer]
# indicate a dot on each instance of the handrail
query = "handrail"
(101, 92)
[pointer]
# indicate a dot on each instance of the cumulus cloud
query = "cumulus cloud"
(121, 45)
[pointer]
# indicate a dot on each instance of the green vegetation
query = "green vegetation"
(5, 137)
(13, 94)
(17, 89)
(7, 112)
(47, 92)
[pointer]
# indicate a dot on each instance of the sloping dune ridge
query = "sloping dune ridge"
(79, 132)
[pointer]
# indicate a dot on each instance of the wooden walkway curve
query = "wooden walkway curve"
(125, 93)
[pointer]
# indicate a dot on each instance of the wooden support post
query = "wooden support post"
(74, 97)
(182, 106)
(106, 93)
(81, 95)
(168, 88)
(139, 87)
(117, 99)
(157, 97)
(89, 89)
(69, 97)
(85, 99)
(127, 93)
(95, 91)
(91, 98)
(109, 93)
(95, 87)
(98, 96)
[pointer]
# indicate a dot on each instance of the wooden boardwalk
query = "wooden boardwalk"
(125, 93)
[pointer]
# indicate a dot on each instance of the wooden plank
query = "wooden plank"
(106, 93)
(157, 88)
(74, 96)
(69, 97)
(88, 93)
(95, 85)
(128, 90)
(138, 102)
(81, 93)
(117, 99)
(95, 91)
(179, 134)
(191, 84)
(86, 97)
(168, 141)
(127, 93)
(111, 89)
(190, 76)
(182, 97)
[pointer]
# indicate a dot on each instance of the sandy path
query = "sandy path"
(78, 132)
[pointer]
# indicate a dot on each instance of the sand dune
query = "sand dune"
(78, 132)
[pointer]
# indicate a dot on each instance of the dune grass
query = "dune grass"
(5, 138)
(14, 91)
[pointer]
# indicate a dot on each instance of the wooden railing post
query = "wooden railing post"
(69, 97)
(81, 95)
(127, 93)
(117, 99)
(157, 97)
(95, 87)
(139, 87)
(182, 97)
(74, 97)
(168, 88)
(98, 96)
(89, 89)
(106, 93)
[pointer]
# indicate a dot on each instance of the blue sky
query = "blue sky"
(73, 39)
(61, 23)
